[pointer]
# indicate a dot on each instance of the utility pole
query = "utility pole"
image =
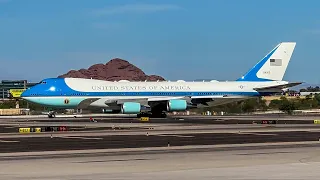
(25, 87)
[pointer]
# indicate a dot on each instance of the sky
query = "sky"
(176, 39)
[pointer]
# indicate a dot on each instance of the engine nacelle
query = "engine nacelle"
(130, 108)
(176, 105)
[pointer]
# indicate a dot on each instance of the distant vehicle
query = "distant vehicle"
(93, 120)
(154, 99)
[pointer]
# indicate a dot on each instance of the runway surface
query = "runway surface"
(294, 163)
(81, 141)
(125, 148)
(110, 133)
(282, 119)
(171, 119)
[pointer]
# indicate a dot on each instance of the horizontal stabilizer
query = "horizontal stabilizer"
(283, 86)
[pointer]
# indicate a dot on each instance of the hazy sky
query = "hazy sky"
(177, 39)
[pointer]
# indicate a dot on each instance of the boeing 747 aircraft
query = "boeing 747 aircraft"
(157, 98)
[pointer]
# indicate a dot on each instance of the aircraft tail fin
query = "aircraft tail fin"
(273, 66)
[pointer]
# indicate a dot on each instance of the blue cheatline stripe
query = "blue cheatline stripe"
(88, 94)
(251, 75)
(59, 102)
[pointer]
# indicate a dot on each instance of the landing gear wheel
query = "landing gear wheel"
(143, 115)
(152, 115)
(163, 115)
(52, 115)
(159, 115)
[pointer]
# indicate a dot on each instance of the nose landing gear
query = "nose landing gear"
(52, 114)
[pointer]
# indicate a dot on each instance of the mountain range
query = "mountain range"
(114, 70)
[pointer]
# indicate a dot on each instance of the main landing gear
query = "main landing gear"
(152, 115)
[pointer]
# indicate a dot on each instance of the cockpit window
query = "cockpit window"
(43, 82)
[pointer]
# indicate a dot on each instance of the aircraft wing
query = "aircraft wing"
(85, 103)
(283, 86)
(152, 99)
(189, 99)
(107, 102)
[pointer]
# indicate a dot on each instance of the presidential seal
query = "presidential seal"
(66, 101)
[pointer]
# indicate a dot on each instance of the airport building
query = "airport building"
(6, 85)
(308, 93)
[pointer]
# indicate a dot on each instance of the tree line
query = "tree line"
(259, 104)
(310, 89)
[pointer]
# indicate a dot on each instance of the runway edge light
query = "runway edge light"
(144, 119)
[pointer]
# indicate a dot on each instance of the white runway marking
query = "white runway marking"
(261, 134)
(81, 128)
(73, 137)
(315, 130)
(174, 135)
(8, 141)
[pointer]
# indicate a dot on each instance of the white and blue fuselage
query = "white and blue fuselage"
(264, 79)
(70, 92)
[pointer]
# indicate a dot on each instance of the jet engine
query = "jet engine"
(130, 108)
(176, 105)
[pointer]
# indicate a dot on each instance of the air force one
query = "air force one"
(156, 98)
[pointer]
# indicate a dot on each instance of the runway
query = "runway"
(125, 148)
(58, 142)
(243, 119)
(294, 162)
